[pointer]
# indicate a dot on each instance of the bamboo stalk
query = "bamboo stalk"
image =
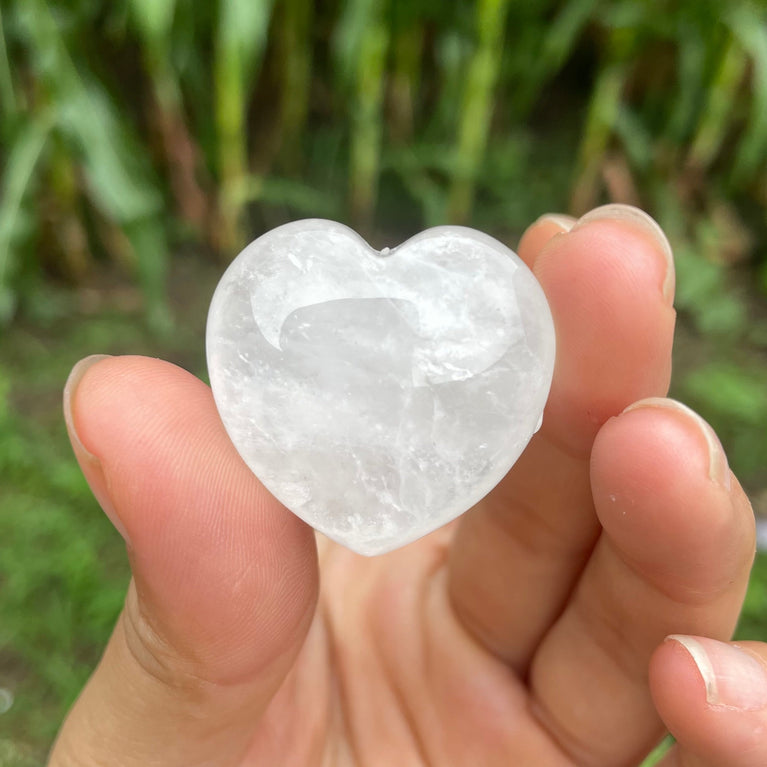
(477, 109)
(407, 50)
(296, 75)
(239, 47)
(367, 119)
(154, 20)
(230, 144)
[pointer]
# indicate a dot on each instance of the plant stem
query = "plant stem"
(478, 105)
(367, 120)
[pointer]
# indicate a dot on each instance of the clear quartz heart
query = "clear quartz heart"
(379, 394)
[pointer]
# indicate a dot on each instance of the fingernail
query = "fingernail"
(73, 381)
(637, 217)
(90, 464)
(718, 468)
(565, 223)
(733, 677)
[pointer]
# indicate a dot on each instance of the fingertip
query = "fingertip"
(665, 505)
(712, 696)
(718, 468)
(540, 232)
(604, 283)
(638, 221)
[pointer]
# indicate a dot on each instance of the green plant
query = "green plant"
(233, 107)
(239, 46)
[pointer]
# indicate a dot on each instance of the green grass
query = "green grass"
(63, 569)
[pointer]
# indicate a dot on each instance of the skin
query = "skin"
(531, 631)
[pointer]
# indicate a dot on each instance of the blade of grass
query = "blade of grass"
(658, 752)
(413, 166)
(477, 110)
(361, 42)
(635, 138)
(367, 121)
(8, 102)
(348, 38)
(717, 117)
(63, 222)
(691, 53)
(296, 45)
(240, 43)
(552, 50)
(154, 19)
(562, 34)
(18, 175)
(749, 26)
(407, 48)
(297, 195)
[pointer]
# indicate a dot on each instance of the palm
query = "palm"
(388, 673)
(518, 635)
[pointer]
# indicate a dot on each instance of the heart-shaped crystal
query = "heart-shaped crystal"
(379, 395)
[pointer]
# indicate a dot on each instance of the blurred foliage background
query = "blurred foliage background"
(143, 142)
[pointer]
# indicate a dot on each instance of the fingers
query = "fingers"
(713, 698)
(674, 557)
(515, 556)
(224, 577)
(539, 234)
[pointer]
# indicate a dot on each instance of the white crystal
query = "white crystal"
(379, 395)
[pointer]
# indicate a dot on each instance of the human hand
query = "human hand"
(530, 632)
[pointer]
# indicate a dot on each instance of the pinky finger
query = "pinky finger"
(712, 696)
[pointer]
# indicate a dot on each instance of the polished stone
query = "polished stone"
(379, 394)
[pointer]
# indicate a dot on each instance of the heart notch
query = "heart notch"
(379, 394)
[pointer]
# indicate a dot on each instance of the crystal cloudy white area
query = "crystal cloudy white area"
(379, 395)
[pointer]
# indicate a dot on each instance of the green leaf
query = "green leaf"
(686, 98)
(729, 390)
(7, 92)
(563, 33)
(115, 168)
(702, 288)
(23, 157)
(116, 176)
(240, 43)
(659, 752)
(298, 195)
(749, 26)
(356, 18)
(717, 117)
(242, 31)
(478, 104)
(153, 17)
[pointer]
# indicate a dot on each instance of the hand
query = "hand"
(531, 632)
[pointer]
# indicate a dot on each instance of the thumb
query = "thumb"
(713, 697)
(224, 578)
